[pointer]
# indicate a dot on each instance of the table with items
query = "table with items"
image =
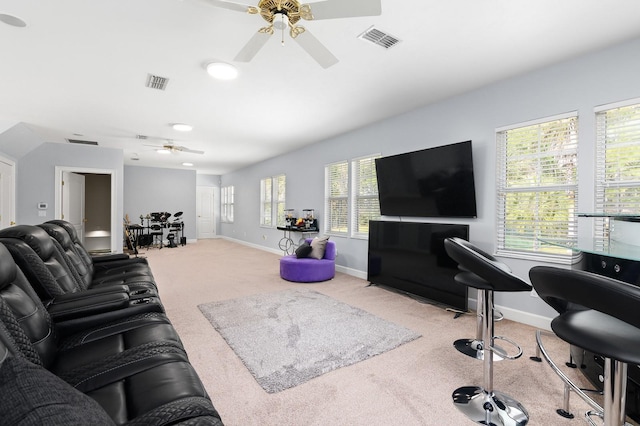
(287, 243)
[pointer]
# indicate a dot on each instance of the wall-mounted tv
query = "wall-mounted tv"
(433, 182)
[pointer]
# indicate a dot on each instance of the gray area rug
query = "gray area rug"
(289, 337)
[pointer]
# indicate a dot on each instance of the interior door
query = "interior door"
(206, 225)
(73, 201)
(7, 194)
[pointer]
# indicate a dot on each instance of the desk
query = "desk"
(286, 244)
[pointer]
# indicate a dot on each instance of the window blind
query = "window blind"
(226, 194)
(337, 198)
(537, 188)
(280, 197)
(617, 164)
(365, 201)
(272, 200)
(266, 192)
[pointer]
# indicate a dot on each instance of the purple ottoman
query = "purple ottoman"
(309, 270)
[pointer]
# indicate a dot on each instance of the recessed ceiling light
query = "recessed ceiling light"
(222, 71)
(187, 164)
(181, 127)
(12, 20)
(163, 151)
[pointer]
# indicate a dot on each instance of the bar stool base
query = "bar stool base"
(473, 348)
(493, 409)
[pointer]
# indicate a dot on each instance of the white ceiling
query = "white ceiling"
(78, 69)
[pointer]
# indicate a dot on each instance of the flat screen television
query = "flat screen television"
(410, 257)
(433, 182)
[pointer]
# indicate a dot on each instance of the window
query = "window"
(366, 206)
(351, 203)
(337, 198)
(537, 187)
(227, 195)
(617, 163)
(272, 200)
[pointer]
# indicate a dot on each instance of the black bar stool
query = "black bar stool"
(483, 404)
(603, 319)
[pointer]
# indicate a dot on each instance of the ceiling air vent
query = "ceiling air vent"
(82, 142)
(379, 38)
(157, 82)
(142, 137)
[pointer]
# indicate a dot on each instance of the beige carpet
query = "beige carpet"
(409, 385)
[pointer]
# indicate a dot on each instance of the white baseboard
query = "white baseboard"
(533, 320)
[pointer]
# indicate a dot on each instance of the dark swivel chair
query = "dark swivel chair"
(483, 404)
(607, 323)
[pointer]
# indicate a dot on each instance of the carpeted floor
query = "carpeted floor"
(409, 385)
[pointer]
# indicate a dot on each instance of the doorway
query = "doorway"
(7, 193)
(206, 224)
(81, 192)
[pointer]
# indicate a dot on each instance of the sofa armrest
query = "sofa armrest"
(92, 292)
(109, 257)
(68, 308)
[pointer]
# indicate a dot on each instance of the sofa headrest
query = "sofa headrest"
(35, 237)
(59, 233)
(8, 268)
(67, 226)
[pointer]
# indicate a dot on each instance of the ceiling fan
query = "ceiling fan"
(170, 148)
(282, 13)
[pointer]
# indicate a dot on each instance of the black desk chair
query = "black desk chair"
(483, 404)
(598, 314)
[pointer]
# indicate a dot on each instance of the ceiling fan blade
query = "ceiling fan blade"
(333, 9)
(254, 45)
(191, 151)
(228, 5)
(317, 50)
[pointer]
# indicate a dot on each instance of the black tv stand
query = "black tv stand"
(410, 257)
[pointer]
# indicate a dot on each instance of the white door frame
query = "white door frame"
(11, 163)
(116, 239)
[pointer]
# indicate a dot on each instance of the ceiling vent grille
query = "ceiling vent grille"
(142, 137)
(379, 38)
(157, 82)
(82, 142)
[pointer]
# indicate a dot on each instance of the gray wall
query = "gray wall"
(579, 84)
(35, 177)
(151, 189)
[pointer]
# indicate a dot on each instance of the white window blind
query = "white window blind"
(272, 200)
(280, 187)
(266, 196)
(617, 164)
(337, 198)
(537, 188)
(365, 202)
(227, 196)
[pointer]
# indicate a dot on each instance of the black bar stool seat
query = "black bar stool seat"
(599, 314)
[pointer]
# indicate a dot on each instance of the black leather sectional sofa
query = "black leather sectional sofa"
(85, 341)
